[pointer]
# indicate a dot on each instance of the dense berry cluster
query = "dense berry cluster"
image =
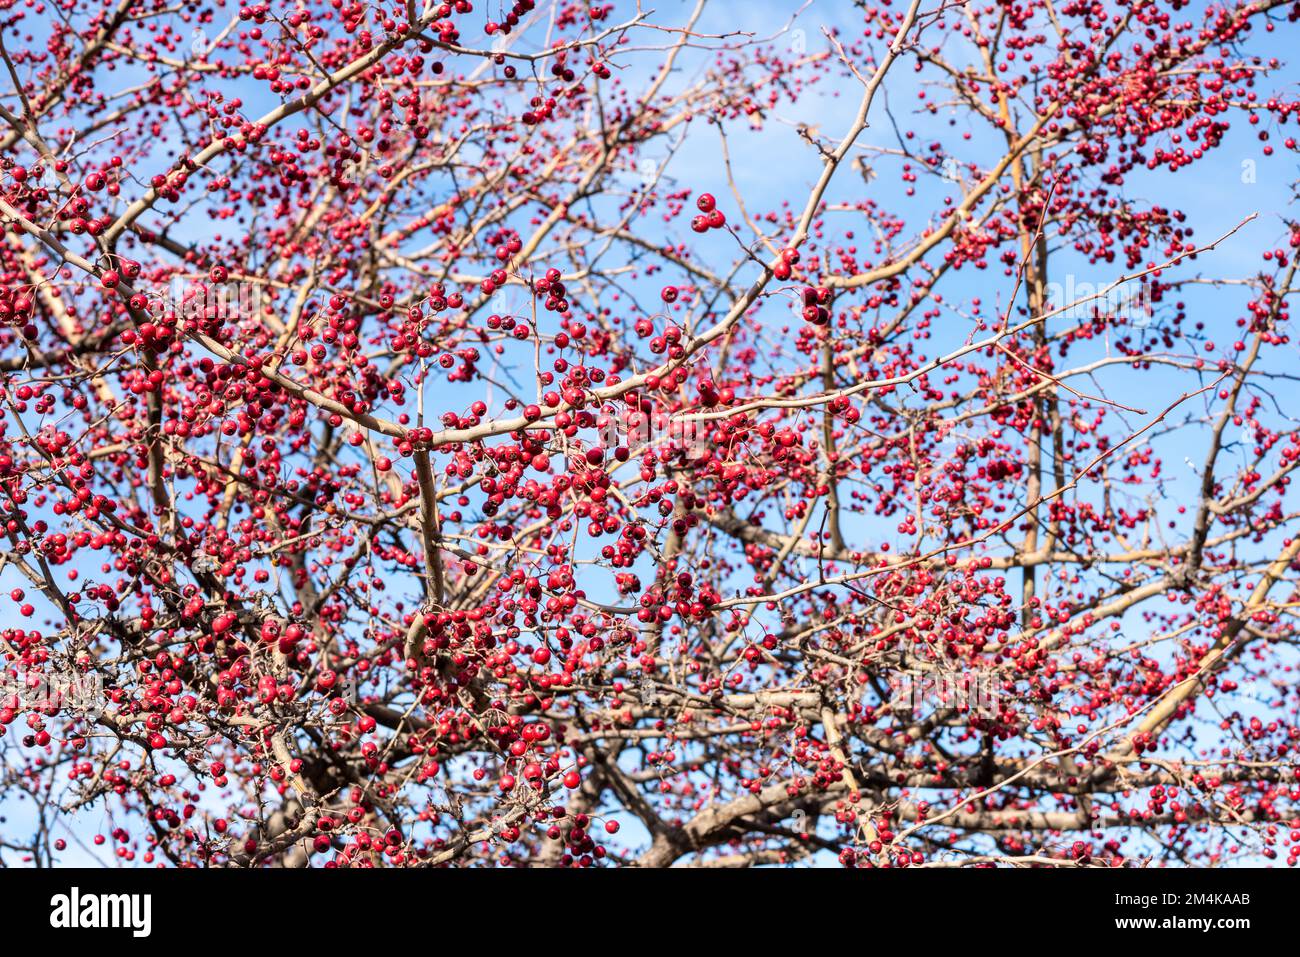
(405, 466)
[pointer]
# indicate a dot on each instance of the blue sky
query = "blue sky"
(774, 164)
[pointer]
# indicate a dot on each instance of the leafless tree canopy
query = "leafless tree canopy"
(576, 435)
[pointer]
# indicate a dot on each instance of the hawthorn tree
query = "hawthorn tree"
(405, 465)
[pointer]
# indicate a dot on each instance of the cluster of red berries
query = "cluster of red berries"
(710, 216)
